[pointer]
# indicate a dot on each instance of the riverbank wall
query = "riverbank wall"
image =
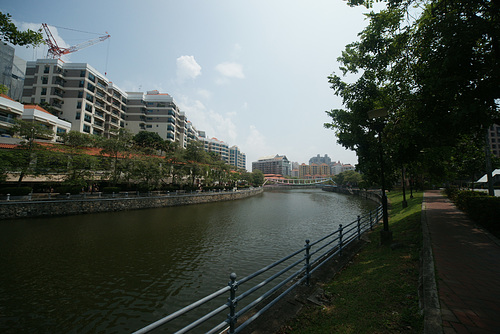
(373, 195)
(120, 202)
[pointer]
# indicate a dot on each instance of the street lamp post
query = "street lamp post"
(385, 233)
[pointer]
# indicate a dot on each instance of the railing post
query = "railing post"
(8, 197)
(371, 221)
(359, 227)
(231, 318)
(340, 239)
(308, 265)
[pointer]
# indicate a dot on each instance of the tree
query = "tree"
(77, 139)
(149, 142)
(437, 71)
(117, 146)
(10, 33)
(257, 178)
(29, 131)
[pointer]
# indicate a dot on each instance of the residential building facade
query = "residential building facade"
(37, 114)
(278, 164)
(237, 158)
(10, 110)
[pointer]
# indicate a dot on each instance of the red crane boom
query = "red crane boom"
(55, 51)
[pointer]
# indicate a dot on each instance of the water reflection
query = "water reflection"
(117, 272)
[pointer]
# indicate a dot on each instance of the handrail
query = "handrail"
(327, 247)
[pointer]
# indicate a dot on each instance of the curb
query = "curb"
(429, 299)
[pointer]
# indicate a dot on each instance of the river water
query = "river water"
(118, 272)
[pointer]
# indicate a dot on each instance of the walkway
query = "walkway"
(467, 262)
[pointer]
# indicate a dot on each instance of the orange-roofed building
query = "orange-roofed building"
(41, 116)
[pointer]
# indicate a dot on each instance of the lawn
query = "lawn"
(378, 291)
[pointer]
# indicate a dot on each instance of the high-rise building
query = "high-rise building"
(12, 70)
(237, 158)
(78, 93)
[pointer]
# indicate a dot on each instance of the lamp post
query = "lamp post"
(385, 233)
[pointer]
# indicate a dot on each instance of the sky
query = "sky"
(252, 73)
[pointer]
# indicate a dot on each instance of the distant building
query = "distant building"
(494, 139)
(320, 160)
(237, 158)
(277, 164)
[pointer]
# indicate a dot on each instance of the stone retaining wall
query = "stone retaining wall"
(60, 207)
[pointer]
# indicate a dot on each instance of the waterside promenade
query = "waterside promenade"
(467, 271)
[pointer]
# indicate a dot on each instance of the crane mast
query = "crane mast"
(56, 52)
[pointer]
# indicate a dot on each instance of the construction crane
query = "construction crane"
(56, 52)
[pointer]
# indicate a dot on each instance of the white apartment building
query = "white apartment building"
(237, 158)
(10, 110)
(78, 93)
(39, 115)
(157, 112)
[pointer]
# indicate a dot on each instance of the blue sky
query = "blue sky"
(251, 73)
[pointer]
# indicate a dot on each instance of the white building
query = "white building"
(10, 110)
(41, 116)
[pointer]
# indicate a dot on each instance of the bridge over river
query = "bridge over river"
(280, 180)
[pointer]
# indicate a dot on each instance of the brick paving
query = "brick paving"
(467, 262)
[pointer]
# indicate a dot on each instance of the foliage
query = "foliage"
(349, 177)
(110, 190)
(148, 142)
(77, 139)
(432, 69)
(4, 89)
(16, 191)
(10, 33)
(257, 178)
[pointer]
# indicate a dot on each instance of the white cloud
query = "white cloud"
(255, 145)
(187, 68)
(206, 94)
(231, 70)
(213, 123)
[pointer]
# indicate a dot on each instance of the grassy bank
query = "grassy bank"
(377, 292)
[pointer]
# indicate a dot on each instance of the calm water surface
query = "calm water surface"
(117, 272)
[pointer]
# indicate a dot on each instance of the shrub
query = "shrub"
(463, 198)
(485, 210)
(16, 191)
(72, 189)
(110, 190)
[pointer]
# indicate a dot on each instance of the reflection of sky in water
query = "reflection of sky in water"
(120, 271)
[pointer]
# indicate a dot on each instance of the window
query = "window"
(88, 107)
(87, 118)
(80, 94)
(79, 105)
(86, 128)
(82, 74)
(98, 122)
(47, 69)
(82, 83)
(44, 91)
(91, 87)
(78, 114)
(45, 80)
(60, 131)
(89, 97)
(149, 126)
(91, 77)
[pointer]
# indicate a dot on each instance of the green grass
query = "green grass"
(378, 291)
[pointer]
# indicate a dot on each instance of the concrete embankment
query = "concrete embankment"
(60, 207)
(368, 194)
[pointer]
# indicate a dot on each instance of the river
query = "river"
(117, 272)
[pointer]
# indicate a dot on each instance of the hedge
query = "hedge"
(16, 191)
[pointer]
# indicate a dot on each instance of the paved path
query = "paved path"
(467, 262)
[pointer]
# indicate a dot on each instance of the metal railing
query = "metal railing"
(298, 266)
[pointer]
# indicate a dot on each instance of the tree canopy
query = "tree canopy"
(433, 66)
(10, 33)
